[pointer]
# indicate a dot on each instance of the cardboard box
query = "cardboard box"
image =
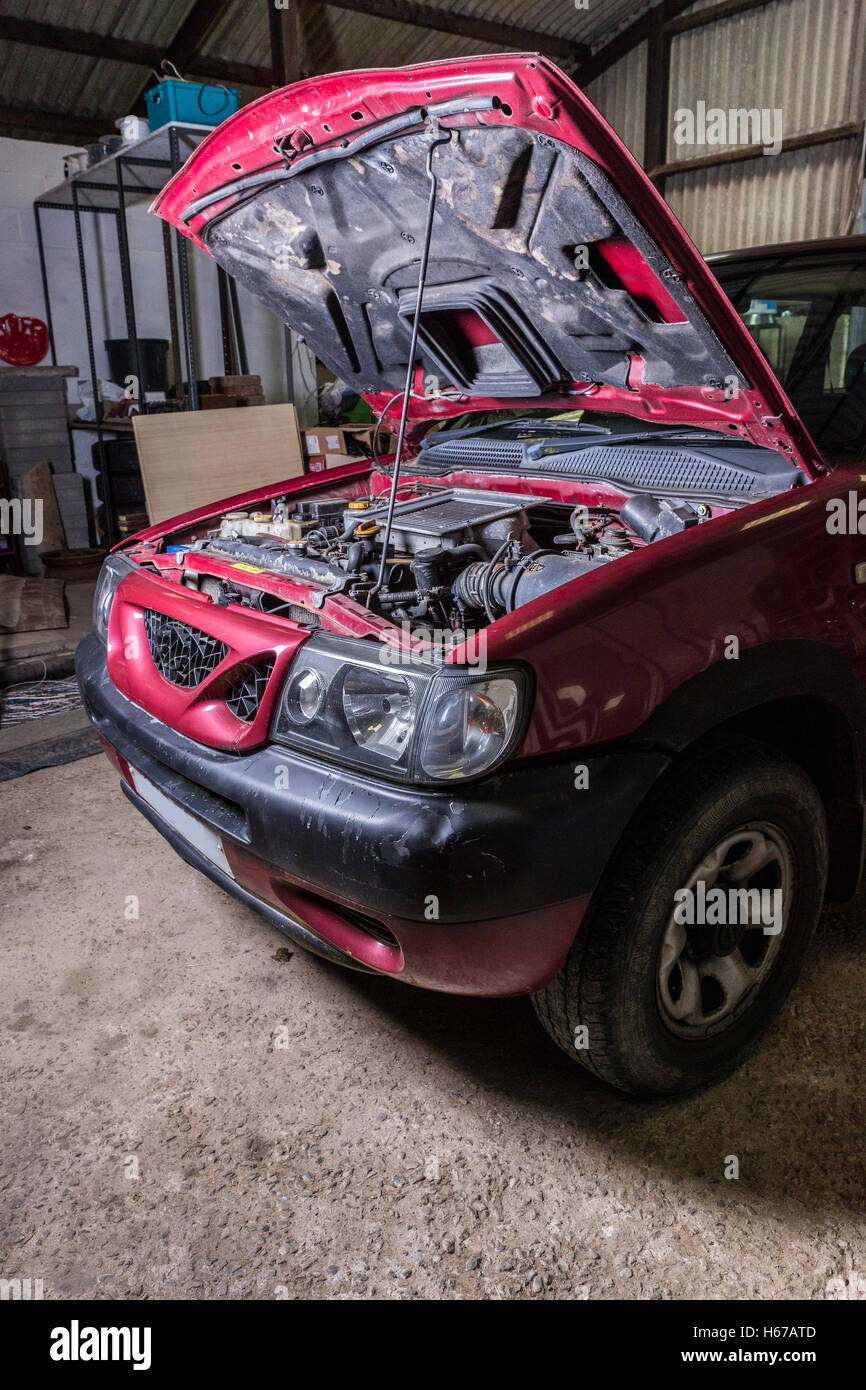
(214, 401)
(236, 385)
(319, 462)
(334, 439)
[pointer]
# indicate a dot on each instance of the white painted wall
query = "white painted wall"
(29, 168)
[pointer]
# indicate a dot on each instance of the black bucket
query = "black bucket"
(153, 354)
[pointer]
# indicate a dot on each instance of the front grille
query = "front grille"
(371, 927)
(297, 614)
(246, 693)
(182, 654)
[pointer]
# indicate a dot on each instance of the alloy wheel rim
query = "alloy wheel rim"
(706, 970)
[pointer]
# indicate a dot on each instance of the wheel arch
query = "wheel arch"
(802, 697)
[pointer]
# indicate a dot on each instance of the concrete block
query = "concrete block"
(69, 491)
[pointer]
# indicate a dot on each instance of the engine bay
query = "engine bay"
(458, 558)
(465, 546)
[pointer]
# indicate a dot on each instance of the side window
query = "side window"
(777, 326)
(837, 360)
(807, 314)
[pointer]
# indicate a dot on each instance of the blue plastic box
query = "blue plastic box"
(190, 102)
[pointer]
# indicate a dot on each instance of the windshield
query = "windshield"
(807, 314)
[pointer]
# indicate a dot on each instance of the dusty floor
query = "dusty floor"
(402, 1144)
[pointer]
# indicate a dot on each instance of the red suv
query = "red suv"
(566, 698)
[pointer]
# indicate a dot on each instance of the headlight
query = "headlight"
(347, 700)
(379, 711)
(304, 695)
(114, 569)
(469, 728)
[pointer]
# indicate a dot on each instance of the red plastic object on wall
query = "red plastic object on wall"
(23, 341)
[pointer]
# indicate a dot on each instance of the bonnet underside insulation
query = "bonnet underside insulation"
(510, 308)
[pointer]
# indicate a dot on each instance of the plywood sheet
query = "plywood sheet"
(195, 457)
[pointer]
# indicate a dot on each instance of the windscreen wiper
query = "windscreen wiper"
(576, 443)
(508, 427)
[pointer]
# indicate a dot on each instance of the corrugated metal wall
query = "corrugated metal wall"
(619, 94)
(58, 80)
(792, 197)
(806, 58)
(333, 39)
(330, 40)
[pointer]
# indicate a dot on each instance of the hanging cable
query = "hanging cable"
(374, 444)
(449, 394)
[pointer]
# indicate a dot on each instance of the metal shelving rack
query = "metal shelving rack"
(111, 187)
(134, 173)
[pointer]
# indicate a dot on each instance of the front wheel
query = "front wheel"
(699, 930)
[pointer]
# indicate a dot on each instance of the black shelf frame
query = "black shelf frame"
(110, 188)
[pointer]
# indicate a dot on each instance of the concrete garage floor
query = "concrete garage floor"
(405, 1144)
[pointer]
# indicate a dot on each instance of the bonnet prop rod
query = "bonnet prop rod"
(441, 138)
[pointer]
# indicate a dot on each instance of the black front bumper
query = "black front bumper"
(196, 860)
(513, 843)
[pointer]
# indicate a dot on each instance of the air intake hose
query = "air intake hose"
(508, 589)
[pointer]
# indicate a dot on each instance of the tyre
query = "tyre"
(655, 1003)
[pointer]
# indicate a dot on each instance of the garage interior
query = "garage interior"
(194, 1108)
